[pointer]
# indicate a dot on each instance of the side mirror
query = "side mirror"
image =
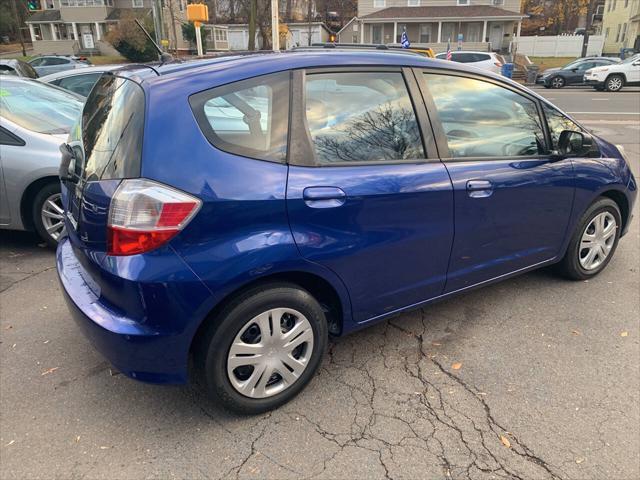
(575, 144)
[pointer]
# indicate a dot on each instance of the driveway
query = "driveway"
(533, 378)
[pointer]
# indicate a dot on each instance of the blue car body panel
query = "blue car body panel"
(402, 235)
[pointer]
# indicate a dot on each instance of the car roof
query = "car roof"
(230, 68)
(14, 79)
(79, 71)
(468, 51)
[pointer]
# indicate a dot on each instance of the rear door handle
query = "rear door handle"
(324, 197)
(479, 188)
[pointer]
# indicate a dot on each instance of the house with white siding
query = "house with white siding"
(487, 25)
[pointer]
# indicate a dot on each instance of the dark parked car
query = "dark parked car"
(232, 215)
(18, 68)
(572, 73)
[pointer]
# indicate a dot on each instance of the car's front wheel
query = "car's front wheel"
(614, 83)
(594, 241)
(557, 82)
(263, 348)
(48, 213)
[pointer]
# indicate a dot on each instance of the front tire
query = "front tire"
(263, 348)
(557, 82)
(594, 241)
(48, 214)
(614, 83)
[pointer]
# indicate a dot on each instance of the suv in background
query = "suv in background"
(572, 73)
(48, 64)
(485, 60)
(613, 77)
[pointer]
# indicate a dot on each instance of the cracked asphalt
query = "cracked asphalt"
(532, 378)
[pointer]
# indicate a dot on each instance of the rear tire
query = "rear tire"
(48, 215)
(257, 321)
(614, 83)
(576, 264)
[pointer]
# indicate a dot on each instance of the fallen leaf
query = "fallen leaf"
(104, 448)
(47, 372)
(8, 327)
(576, 332)
(77, 438)
(505, 441)
(11, 442)
(624, 334)
(579, 460)
(436, 344)
(456, 366)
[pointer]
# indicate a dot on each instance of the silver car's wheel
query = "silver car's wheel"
(270, 353)
(597, 241)
(52, 214)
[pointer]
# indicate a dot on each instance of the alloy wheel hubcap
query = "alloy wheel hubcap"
(270, 353)
(52, 215)
(597, 240)
(615, 84)
(557, 82)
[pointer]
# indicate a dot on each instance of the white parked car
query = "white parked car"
(484, 60)
(78, 81)
(613, 77)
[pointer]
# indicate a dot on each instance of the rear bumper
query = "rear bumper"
(137, 348)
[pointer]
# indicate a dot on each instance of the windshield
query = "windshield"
(39, 107)
(573, 64)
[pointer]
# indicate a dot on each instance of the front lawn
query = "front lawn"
(551, 62)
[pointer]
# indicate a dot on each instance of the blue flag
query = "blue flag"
(404, 40)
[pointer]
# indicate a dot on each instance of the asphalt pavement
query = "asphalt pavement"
(532, 378)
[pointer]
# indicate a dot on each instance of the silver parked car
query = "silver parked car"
(48, 64)
(35, 119)
(79, 81)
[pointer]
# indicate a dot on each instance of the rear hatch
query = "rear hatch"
(105, 147)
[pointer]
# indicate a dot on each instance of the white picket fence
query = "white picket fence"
(558, 46)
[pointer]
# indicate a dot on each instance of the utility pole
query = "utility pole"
(19, 26)
(587, 29)
(253, 13)
(309, 19)
(275, 31)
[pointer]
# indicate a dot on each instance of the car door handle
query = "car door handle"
(324, 197)
(479, 188)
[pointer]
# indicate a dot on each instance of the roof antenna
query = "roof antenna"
(164, 57)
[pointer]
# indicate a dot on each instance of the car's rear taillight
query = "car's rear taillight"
(145, 215)
(497, 64)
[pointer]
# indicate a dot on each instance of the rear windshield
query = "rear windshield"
(112, 125)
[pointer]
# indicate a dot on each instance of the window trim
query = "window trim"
(438, 130)
(198, 100)
(301, 152)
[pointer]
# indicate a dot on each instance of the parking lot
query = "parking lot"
(533, 378)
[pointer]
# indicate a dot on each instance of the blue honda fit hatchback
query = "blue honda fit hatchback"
(225, 218)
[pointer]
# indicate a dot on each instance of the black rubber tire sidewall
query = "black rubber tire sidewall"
(38, 201)
(570, 265)
(225, 328)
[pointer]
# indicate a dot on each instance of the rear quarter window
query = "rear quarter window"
(112, 128)
(248, 118)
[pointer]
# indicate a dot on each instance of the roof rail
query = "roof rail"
(356, 46)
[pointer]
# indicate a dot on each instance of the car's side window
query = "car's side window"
(56, 61)
(482, 119)
(361, 117)
(8, 138)
(37, 62)
(248, 118)
(558, 122)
